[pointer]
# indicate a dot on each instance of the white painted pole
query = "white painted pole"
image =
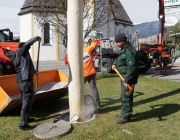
(75, 59)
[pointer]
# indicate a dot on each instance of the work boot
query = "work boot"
(25, 127)
(123, 120)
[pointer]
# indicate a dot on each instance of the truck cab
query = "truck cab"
(8, 46)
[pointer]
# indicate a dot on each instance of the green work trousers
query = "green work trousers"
(127, 102)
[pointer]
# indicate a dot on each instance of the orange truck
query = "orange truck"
(49, 84)
(157, 56)
(8, 46)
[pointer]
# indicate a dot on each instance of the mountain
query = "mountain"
(147, 29)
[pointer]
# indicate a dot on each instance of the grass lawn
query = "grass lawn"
(156, 113)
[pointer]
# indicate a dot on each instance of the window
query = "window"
(46, 33)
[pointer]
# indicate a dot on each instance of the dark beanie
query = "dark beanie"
(120, 37)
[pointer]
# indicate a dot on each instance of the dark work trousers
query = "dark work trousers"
(95, 94)
(127, 102)
(26, 88)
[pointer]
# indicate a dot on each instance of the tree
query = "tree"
(173, 30)
(95, 14)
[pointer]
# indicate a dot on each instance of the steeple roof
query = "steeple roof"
(119, 12)
(30, 4)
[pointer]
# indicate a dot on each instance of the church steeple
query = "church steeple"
(27, 7)
(52, 5)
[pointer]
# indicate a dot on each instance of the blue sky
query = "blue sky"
(138, 10)
(8, 14)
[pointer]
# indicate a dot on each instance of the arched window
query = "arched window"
(46, 33)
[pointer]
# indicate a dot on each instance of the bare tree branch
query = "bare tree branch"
(95, 14)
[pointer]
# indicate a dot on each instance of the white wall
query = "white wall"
(25, 26)
(29, 29)
(124, 29)
(46, 52)
(114, 29)
(25, 22)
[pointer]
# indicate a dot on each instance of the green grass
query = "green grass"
(156, 113)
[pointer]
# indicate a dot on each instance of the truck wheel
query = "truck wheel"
(143, 70)
(105, 65)
(142, 61)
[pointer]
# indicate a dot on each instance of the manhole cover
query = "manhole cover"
(50, 129)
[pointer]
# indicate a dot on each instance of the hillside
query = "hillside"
(147, 29)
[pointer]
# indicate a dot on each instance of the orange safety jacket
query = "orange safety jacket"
(88, 60)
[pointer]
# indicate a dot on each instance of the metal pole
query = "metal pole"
(75, 58)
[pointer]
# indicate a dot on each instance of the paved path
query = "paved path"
(174, 76)
(50, 65)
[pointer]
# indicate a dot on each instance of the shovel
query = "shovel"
(128, 86)
(37, 66)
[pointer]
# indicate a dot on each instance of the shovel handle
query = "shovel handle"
(128, 86)
(37, 65)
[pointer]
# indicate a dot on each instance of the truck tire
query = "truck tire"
(143, 70)
(142, 61)
(105, 65)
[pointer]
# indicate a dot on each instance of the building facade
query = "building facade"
(54, 49)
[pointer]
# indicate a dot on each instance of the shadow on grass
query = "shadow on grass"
(161, 96)
(109, 101)
(107, 108)
(43, 110)
(158, 111)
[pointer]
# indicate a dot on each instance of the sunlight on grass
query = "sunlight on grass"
(155, 113)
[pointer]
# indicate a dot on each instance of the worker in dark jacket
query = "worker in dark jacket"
(127, 65)
(24, 77)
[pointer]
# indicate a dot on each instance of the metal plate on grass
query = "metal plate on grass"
(49, 129)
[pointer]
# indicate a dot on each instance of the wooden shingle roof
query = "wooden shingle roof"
(119, 13)
(28, 6)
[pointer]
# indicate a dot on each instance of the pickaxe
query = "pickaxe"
(128, 86)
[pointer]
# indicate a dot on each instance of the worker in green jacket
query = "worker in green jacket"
(127, 65)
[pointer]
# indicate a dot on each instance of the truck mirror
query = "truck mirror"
(65, 41)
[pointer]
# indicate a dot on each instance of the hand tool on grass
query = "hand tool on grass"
(128, 86)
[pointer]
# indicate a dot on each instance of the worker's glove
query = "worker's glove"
(130, 91)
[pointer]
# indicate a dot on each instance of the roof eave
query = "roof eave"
(124, 22)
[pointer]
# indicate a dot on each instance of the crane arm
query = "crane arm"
(162, 21)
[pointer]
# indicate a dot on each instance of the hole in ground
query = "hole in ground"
(89, 111)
